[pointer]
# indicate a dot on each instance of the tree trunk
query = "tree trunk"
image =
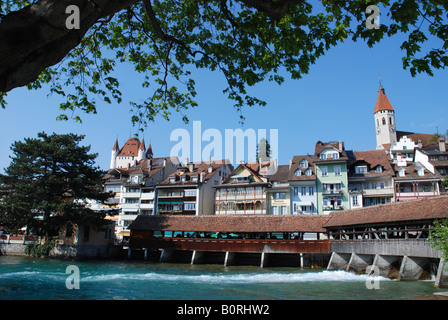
(36, 37)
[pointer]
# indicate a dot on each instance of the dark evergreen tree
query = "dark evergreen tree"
(263, 150)
(47, 184)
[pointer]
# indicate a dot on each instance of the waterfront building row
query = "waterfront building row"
(405, 166)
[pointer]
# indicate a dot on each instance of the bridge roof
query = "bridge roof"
(231, 223)
(422, 209)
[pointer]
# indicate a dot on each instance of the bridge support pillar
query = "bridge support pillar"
(197, 257)
(386, 265)
(166, 255)
(264, 259)
(359, 262)
(338, 261)
(412, 268)
(229, 258)
(442, 274)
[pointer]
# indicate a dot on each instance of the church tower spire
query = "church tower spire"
(384, 115)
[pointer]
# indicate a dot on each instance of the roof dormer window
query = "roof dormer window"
(420, 172)
(401, 172)
(379, 169)
(303, 164)
(298, 173)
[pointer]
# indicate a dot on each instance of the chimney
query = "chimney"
(290, 164)
(190, 166)
(187, 160)
(210, 169)
(164, 162)
(201, 179)
(419, 143)
(340, 145)
(442, 147)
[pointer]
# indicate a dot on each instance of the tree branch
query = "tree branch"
(35, 37)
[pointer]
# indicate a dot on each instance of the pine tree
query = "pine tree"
(47, 184)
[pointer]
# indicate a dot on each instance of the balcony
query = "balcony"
(332, 191)
(333, 207)
(147, 196)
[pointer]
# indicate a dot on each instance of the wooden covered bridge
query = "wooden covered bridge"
(392, 238)
(233, 239)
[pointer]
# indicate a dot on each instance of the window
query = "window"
(192, 206)
(335, 155)
(275, 210)
(279, 195)
(303, 191)
(296, 191)
(420, 171)
(361, 169)
(308, 172)
(366, 186)
(382, 185)
(298, 172)
(172, 180)
(384, 120)
(192, 193)
(311, 191)
(379, 169)
(303, 164)
(355, 201)
(373, 185)
(390, 120)
(337, 170)
(323, 156)
(324, 171)
(194, 179)
(284, 210)
(401, 172)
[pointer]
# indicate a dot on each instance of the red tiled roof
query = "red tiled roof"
(130, 149)
(382, 103)
(231, 223)
(422, 209)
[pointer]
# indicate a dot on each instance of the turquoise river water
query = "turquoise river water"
(25, 278)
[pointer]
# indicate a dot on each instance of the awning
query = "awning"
(124, 233)
(303, 203)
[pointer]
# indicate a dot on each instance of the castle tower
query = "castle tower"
(114, 154)
(384, 116)
(141, 151)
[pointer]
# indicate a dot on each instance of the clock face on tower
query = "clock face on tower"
(378, 131)
(392, 129)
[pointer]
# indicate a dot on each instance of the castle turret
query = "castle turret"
(114, 154)
(141, 151)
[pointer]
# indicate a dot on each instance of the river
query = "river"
(26, 278)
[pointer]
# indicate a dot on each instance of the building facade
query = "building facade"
(330, 160)
(302, 181)
(190, 190)
(242, 192)
(370, 178)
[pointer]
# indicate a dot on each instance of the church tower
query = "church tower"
(384, 116)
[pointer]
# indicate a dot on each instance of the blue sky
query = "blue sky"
(335, 101)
